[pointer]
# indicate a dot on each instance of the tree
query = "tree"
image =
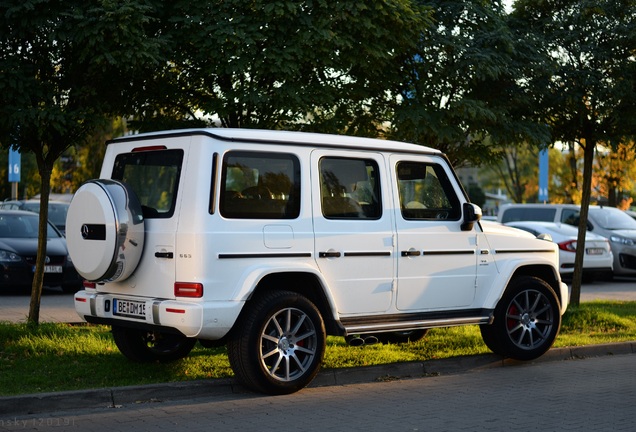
(518, 171)
(64, 66)
(314, 65)
(615, 173)
(458, 86)
(584, 89)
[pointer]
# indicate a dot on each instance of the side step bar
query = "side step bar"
(406, 322)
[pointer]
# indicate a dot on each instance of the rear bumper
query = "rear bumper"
(203, 320)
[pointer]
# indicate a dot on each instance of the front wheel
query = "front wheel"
(149, 346)
(279, 345)
(526, 322)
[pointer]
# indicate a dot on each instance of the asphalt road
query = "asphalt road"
(592, 394)
(56, 306)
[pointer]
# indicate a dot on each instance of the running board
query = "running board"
(406, 322)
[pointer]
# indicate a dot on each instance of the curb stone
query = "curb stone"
(119, 396)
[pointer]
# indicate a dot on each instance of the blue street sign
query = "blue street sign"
(543, 175)
(14, 166)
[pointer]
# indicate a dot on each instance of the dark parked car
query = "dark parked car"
(57, 210)
(18, 251)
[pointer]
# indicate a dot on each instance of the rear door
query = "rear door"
(154, 174)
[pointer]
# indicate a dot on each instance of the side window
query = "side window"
(350, 188)
(570, 217)
(258, 185)
(529, 214)
(154, 176)
(426, 192)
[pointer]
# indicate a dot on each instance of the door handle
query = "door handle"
(411, 252)
(330, 254)
(168, 255)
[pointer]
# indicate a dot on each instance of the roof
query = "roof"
(288, 137)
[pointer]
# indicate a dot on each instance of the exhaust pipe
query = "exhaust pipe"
(370, 340)
(359, 340)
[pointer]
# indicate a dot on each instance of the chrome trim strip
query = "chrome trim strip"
(266, 255)
(155, 312)
(449, 252)
(412, 325)
(498, 251)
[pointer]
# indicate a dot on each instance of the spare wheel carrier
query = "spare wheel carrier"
(105, 231)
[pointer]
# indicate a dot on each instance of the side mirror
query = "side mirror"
(472, 214)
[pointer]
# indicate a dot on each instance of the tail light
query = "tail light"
(569, 245)
(188, 289)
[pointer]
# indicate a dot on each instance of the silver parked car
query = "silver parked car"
(598, 259)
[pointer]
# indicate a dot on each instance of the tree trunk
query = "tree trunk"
(38, 277)
(586, 194)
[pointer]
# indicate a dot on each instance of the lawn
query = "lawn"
(58, 357)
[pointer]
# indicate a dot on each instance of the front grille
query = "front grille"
(53, 260)
(627, 261)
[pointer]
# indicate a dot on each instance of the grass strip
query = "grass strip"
(60, 357)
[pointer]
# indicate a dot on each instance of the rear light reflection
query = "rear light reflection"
(188, 289)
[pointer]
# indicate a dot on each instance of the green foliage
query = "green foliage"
(316, 65)
(584, 87)
(458, 86)
(58, 357)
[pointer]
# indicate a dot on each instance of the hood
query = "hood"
(29, 246)
(627, 233)
(497, 228)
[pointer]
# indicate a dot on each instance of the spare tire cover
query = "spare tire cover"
(105, 231)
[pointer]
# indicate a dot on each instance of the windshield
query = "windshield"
(57, 211)
(612, 219)
(22, 226)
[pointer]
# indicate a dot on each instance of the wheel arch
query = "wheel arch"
(544, 272)
(306, 284)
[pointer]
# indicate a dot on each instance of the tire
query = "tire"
(147, 346)
(279, 345)
(526, 321)
(401, 337)
(105, 231)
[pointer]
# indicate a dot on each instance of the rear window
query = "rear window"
(154, 176)
(529, 214)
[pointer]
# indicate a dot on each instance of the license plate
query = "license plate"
(129, 308)
(50, 269)
(595, 251)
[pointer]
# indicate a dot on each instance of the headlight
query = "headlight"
(622, 240)
(8, 257)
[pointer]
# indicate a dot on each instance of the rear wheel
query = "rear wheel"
(279, 345)
(150, 346)
(527, 319)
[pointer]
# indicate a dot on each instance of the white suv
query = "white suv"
(270, 241)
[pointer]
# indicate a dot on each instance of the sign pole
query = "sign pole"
(14, 172)
(543, 176)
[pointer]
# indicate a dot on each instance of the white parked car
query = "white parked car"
(269, 241)
(598, 259)
(613, 224)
